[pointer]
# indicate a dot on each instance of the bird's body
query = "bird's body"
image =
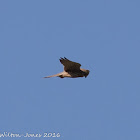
(71, 70)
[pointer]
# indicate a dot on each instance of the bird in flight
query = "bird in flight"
(71, 70)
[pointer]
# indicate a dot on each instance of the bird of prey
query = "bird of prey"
(71, 70)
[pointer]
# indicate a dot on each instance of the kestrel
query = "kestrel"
(71, 70)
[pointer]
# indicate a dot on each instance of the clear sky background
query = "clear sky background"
(102, 35)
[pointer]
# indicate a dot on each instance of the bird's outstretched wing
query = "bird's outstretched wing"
(69, 65)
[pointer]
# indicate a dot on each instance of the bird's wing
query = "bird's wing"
(69, 65)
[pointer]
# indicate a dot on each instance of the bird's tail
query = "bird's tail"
(56, 75)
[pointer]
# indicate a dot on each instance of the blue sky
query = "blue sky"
(103, 35)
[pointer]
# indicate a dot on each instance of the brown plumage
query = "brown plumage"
(71, 70)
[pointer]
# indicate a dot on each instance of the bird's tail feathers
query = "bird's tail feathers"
(56, 75)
